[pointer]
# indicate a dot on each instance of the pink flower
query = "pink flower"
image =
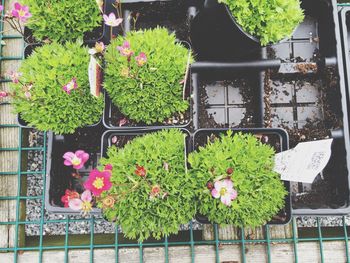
(1, 8)
(21, 12)
(3, 94)
(83, 204)
(71, 85)
(125, 49)
(68, 195)
(108, 167)
(114, 139)
(98, 182)
(14, 76)
(123, 122)
(141, 59)
(111, 20)
(77, 159)
(28, 95)
(224, 190)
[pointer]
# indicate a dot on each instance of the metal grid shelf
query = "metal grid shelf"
(17, 245)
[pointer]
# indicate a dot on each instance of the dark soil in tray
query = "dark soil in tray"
(309, 109)
(227, 103)
(169, 14)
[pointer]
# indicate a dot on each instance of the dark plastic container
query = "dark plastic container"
(59, 176)
(112, 115)
(337, 170)
(22, 123)
(279, 140)
(226, 41)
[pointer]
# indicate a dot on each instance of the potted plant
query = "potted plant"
(152, 192)
(245, 26)
(235, 180)
(65, 20)
(145, 78)
(52, 91)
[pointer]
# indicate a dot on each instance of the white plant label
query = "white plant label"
(304, 162)
(94, 77)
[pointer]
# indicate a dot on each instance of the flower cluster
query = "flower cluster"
(126, 51)
(97, 182)
(16, 15)
(15, 76)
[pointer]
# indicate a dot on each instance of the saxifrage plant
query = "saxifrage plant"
(52, 92)
(63, 20)
(152, 192)
(144, 75)
(235, 180)
(268, 20)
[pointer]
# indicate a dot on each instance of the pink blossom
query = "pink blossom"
(1, 8)
(14, 76)
(28, 95)
(21, 12)
(114, 139)
(123, 122)
(98, 182)
(3, 94)
(224, 190)
(111, 20)
(108, 167)
(141, 59)
(68, 195)
(71, 85)
(77, 159)
(82, 204)
(125, 49)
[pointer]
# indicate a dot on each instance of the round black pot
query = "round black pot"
(216, 35)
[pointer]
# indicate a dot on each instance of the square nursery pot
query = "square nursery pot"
(97, 35)
(277, 138)
(112, 115)
(58, 176)
(27, 52)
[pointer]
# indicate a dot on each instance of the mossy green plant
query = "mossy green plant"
(63, 20)
(268, 20)
(144, 74)
(152, 192)
(53, 92)
(241, 160)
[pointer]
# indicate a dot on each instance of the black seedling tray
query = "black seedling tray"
(59, 176)
(277, 138)
(309, 105)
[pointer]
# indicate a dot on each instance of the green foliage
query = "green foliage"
(153, 92)
(63, 20)
(268, 20)
(49, 68)
(260, 191)
(140, 215)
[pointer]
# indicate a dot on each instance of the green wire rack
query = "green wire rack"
(116, 242)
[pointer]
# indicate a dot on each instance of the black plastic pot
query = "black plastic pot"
(278, 138)
(112, 115)
(22, 123)
(215, 35)
(59, 176)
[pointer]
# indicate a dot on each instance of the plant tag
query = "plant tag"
(94, 77)
(304, 162)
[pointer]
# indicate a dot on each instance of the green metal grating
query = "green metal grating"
(66, 243)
